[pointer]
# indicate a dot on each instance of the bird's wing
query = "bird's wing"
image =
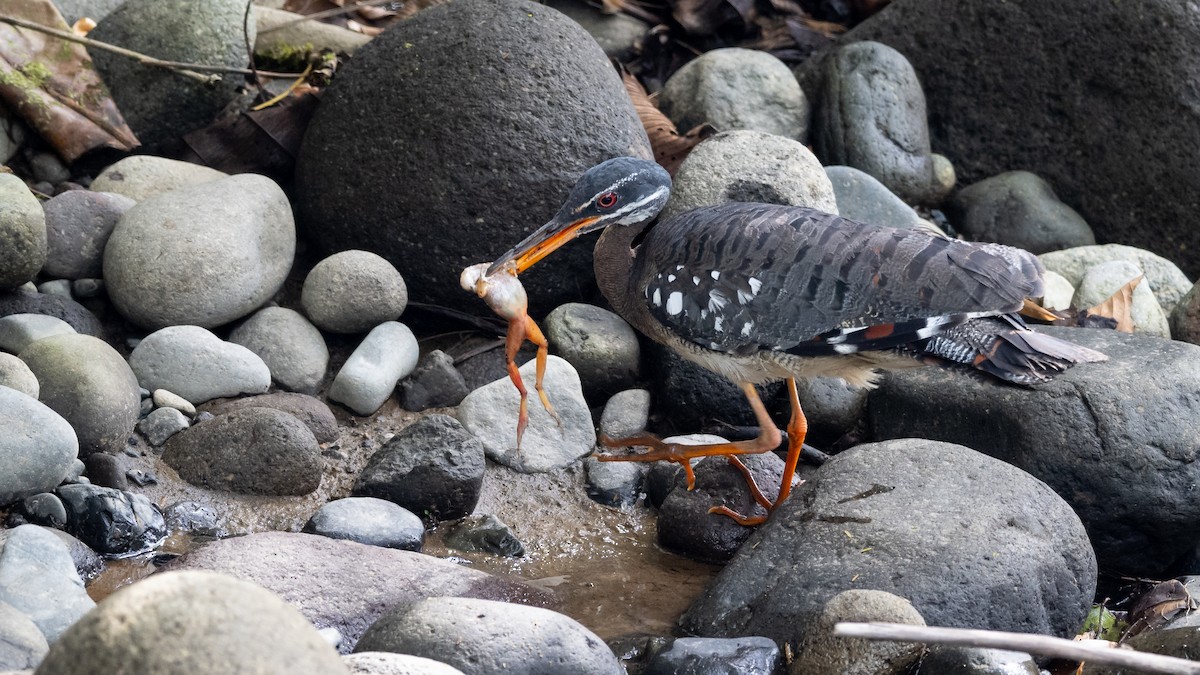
(741, 277)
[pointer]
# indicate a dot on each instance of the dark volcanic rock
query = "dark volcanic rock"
(1118, 440)
(20, 302)
(111, 521)
(1103, 128)
(969, 540)
(435, 177)
(158, 104)
(1019, 209)
(686, 527)
(258, 451)
(433, 467)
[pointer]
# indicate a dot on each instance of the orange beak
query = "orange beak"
(544, 241)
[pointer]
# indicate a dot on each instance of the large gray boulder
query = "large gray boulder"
(345, 584)
(1117, 440)
(87, 382)
(192, 622)
(204, 254)
(1106, 130)
(454, 134)
(969, 540)
(159, 104)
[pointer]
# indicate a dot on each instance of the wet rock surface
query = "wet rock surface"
(1119, 428)
(346, 584)
(112, 522)
(1021, 547)
(433, 467)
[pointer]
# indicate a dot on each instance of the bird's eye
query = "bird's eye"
(607, 200)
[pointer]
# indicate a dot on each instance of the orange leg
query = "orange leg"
(512, 344)
(768, 439)
(797, 429)
(534, 335)
(521, 328)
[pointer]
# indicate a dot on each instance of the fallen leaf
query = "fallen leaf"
(1157, 606)
(1119, 306)
(52, 84)
(704, 17)
(670, 147)
(256, 141)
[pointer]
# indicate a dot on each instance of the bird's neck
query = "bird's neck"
(613, 264)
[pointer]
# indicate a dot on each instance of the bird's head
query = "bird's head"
(620, 191)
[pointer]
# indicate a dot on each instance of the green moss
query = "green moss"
(37, 72)
(293, 57)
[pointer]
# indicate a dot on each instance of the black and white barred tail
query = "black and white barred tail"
(1002, 346)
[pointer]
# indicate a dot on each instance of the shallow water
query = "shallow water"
(602, 563)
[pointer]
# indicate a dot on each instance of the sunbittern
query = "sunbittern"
(762, 292)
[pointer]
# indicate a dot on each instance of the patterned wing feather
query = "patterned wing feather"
(741, 277)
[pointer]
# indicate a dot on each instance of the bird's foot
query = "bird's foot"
(745, 521)
(659, 451)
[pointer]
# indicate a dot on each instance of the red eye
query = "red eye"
(607, 200)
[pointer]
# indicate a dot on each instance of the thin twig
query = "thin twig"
(1021, 642)
(262, 92)
(191, 70)
(336, 11)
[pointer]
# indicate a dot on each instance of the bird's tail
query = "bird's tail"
(1003, 346)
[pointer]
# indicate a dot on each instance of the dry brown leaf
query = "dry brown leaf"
(825, 28)
(53, 86)
(1157, 606)
(256, 141)
(669, 146)
(1119, 306)
(703, 17)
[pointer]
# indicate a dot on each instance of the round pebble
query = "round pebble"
(388, 353)
(292, 348)
(736, 88)
(78, 224)
(14, 374)
(750, 166)
(23, 231)
(197, 365)
(368, 520)
(166, 399)
(233, 254)
(352, 292)
(490, 636)
(90, 385)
